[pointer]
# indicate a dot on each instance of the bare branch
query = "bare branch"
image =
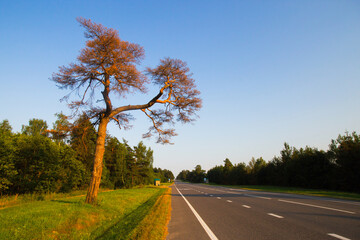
(164, 135)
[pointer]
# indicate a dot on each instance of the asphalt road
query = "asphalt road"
(211, 212)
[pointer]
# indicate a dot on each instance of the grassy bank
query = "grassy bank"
(293, 190)
(119, 215)
(154, 225)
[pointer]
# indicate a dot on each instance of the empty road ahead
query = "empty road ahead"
(211, 212)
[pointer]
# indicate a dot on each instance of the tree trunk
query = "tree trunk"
(98, 162)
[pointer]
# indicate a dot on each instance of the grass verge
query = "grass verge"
(118, 216)
(302, 191)
(154, 225)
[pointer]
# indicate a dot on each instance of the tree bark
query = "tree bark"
(91, 196)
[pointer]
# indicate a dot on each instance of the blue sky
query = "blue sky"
(269, 71)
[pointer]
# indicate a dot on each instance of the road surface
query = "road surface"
(211, 212)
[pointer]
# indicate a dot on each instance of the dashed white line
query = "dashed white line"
(316, 206)
(274, 215)
(246, 206)
(267, 198)
(338, 236)
(218, 197)
(203, 224)
(228, 200)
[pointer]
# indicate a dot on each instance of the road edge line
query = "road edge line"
(202, 222)
(338, 236)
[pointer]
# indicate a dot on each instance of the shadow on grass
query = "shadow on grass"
(124, 226)
(64, 201)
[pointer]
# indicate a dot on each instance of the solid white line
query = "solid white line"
(274, 215)
(228, 200)
(310, 205)
(248, 195)
(267, 198)
(214, 189)
(338, 236)
(246, 206)
(203, 224)
(239, 190)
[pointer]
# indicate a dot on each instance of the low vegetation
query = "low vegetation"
(120, 214)
(154, 225)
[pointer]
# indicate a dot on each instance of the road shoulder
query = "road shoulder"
(183, 223)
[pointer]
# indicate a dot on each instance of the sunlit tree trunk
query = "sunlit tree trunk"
(98, 162)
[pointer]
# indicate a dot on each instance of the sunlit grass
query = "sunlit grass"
(71, 218)
(14, 200)
(154, 225)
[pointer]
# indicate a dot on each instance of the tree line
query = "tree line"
(39, 159)
(335, 169)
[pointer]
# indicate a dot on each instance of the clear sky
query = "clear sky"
(269, 71)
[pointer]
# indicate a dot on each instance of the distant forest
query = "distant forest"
(40, 160)
(338, 168)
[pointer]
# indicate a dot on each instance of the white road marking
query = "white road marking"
(267, 198)
(274, 215)
(202, 222)
(226, 191)
(246, 206)
(214, 189)
(316, 206)
(218, 197)
(248, 195)
(338, 236)
(240, 190)
(228, 200)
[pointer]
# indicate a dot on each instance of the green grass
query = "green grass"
(14, 200)
(116, 217)
(154, 225)
(302, 191)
